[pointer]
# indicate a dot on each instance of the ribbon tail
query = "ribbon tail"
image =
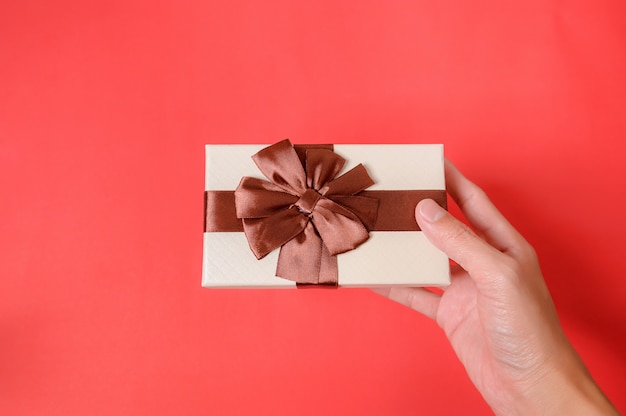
(306, 260)
(329, 272)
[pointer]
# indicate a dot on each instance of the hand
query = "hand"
(497, 312)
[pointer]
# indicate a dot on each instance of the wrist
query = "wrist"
(564, 388)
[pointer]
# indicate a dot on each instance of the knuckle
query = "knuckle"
(526, 254)
(529, 253)
(479, 194)
(474, 194)
(459, 232)
(509, 269)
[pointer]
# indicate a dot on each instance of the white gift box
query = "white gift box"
(388, 258)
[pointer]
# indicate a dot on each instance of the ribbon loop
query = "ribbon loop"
(280, 164)
(307, 212)
(322, 166)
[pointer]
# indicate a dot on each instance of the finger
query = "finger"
(456, 239)
(416, 298)
(480, 212)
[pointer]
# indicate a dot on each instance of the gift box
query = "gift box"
(330, 215)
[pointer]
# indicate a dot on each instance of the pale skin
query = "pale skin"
(497, 312)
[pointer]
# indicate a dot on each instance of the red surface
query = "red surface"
(104, 110)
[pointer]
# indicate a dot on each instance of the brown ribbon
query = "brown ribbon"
(307, 212)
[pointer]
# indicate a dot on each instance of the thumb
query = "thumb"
(456, 239)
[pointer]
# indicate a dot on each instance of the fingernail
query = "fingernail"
(430, 210)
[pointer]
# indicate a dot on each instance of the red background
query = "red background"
(104, 110)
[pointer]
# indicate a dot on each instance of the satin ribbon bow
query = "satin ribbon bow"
(307, 212)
